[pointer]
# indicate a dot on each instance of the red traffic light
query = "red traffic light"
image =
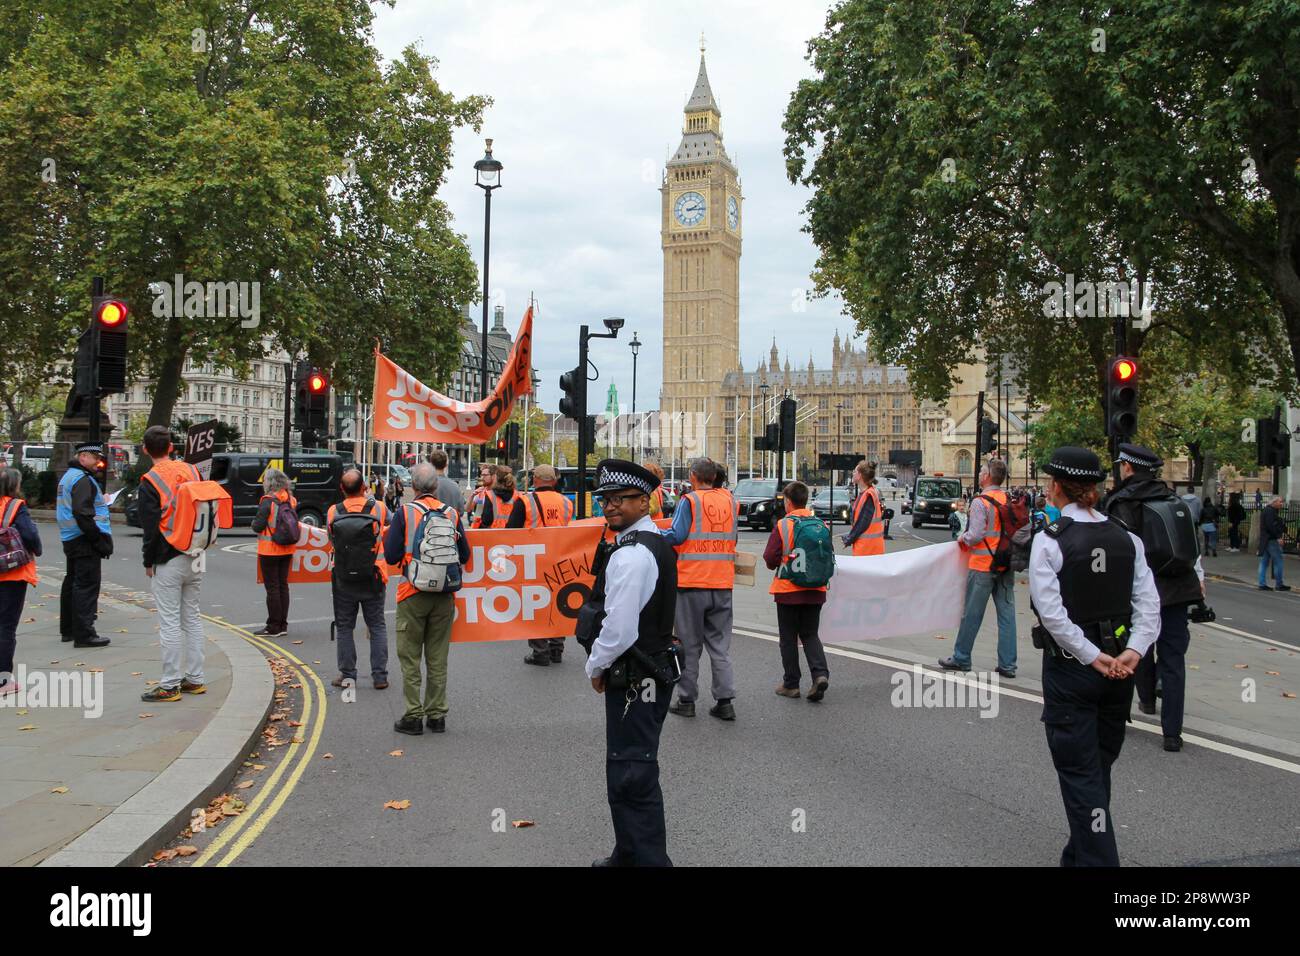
(111, 313)
(1124, 369)
(317, 383)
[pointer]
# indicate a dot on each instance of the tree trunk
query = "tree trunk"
(1209, 478)
(170, 366)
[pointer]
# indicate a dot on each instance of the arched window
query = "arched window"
(963, 462)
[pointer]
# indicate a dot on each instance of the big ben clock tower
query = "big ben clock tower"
(701, 226)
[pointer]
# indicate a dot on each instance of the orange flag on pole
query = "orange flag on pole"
(408, 410)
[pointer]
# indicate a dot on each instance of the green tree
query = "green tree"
(230, 142)
(965, 155)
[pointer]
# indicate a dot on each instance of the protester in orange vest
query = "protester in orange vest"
(274, 559)
(543, 507)
(424, 618)
(498, 503)
(487, 477)
(867, 534)
(704, 534)
(980, 541)
(176, 578)
(357, 578)
(657, 496)
(15, 581)
(798, 609)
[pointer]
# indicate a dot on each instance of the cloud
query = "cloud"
(588, 102)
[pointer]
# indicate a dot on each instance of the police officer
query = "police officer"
(627, 628)
(87, 536)
(543, 507)
(1178, 590)
(1098, 612)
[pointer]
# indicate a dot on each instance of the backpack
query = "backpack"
(1169, 536)
(435, 561)
(286, 529)
(1013, 517)
(13, 553)
(211, 506)
(355, 538)
(813, 561)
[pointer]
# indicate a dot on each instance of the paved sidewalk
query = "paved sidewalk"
(1244, 567)
(68, 769)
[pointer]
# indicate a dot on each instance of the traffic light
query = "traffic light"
(499, 447)
(311, 402)
(512, 441)
(101, 350)
(988, 437)
(588, 426)
(1122, 398)
(760, 443)
(1272, 444)
(573, 403)
(789, 407)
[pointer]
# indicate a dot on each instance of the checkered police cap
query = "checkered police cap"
(1075, 463)
(614, 474)
(1139, 456)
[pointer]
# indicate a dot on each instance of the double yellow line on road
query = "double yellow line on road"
(240, 832)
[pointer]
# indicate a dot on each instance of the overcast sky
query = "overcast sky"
(588, 100)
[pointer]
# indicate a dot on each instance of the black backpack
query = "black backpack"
(355, 536)
(1169, 537)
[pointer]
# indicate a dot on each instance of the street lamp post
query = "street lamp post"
(635, 345)
(487, 176)
(763, 388)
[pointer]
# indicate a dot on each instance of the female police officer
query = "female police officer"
(1098, 612)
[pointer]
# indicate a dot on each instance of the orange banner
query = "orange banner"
(519, 583)
(408, 410)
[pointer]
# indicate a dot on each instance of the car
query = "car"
(388, 472)
(820, 503)
(760, 503)
(934, 498)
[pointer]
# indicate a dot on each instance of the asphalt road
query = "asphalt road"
(872, 783)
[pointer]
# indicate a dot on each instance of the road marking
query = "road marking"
(954, 677)
(250, 818)
(1250, 637)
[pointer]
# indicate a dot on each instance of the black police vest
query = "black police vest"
(1096, 573)
(655, 625)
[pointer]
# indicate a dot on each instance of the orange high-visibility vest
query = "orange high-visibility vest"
(412, 518)
(980, 557)
(500, 510)
(8, 512)
(264, 543)
(785, 527)
(657, 502)
(356, 505)
(707, 558)
(872, 541)
(546, 508)
(166, 477)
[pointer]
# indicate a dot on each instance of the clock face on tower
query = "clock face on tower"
(733, 213)
(689, 208)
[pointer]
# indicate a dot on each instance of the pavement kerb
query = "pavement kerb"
(154, 815)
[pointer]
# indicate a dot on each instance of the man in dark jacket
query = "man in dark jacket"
(87, 538)
(1167, 657)
(1272, 530)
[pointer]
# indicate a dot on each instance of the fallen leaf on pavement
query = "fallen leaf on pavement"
(1241, 667)
(245, 785)
(315, 662)
(30, 620)
(258, 766)
(295, 723)
(326, 756)
(295, 740)
(232, 807)
(297, 642)
(22, 713)
(165, 855)
(122, 630)
(1273, 673)
(520, 824)
(143, 716)
(1288, 695)
(186, 850)
(59, 790)
(277, 717)
(137, 673)
(97, 670)
(151, 683)
(397, 805)
(27, 727)
(396, 753)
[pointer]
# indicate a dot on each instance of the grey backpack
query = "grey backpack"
(435, 560)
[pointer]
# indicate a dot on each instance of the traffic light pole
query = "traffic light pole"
(288, 407)
(92, 414)
(580, 493)
(979, 444)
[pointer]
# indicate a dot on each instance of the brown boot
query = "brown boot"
(787, 691)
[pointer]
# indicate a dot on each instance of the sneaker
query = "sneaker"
(161, 695)
(1003, 672)
(819, 688)
(682, 708)
(189, 687)
(1283, 587)
(950, 664)
(10, 687)
(787, 691)
(409, 725)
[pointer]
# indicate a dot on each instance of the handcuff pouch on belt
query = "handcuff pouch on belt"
(635, 666)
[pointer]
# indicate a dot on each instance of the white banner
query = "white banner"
(919, 591)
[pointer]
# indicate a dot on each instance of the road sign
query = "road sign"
(846, 462)
(199, 442)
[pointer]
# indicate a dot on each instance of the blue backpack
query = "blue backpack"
(812, 559)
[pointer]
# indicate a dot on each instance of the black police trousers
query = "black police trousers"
(1084, 713)
(636, 804)
(1167, 660)
(79, 598)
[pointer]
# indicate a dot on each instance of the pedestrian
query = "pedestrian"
(543, 507)
(1272, 532)
(867, 533)
(1179, 581)
(487, 477)
(499, 502)
(448, 492)
(174, 577)
(957, 518)
(703, 533)
(427, 540)
(1210, 526)
(798, 602)
(277, 516)
(626, 627)
(1236, 515)
(980, 541)
(1098, 612)
(1259, 500)
(720, 478)
(15, 518)
(358, 579)
(87, 536)
(395, 493)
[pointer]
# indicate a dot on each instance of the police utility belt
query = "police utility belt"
(1111, 637)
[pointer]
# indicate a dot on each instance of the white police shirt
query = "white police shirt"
(1045, 562)
(630, 579)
